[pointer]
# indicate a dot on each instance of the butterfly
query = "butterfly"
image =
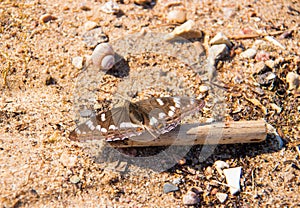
(155, 116)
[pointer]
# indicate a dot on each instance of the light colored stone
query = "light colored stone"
(190, 198)
(220, 165)
(184, 28)
(68, 160)
(220, 38)
(110, 7)
(249, 53)
(203, 88)
(178, 15)
(77, 62)
(74, 179)
(221, 196)
(89, 25)
(293, 80)
(233, 176)
(168, 187)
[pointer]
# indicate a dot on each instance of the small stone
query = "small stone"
(190, 198)
(89, 25)
(233, 176)
(47, 17)
(266, 79)
(74, 179)
(203, 88)
(177, 181)
(77, 62)
(168, 187)
(262, 56)
(293, 80)
(220, 38)
(184, 28)
(68, 160)
(93, 37)
(220, 165)
(260, 67)
(208, 172)
(221, 196)
(249, 53)
(110, 7)
(217, 52)
(177, 16)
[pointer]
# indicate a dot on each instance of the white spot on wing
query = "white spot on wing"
(98, 127)
(161, 115)
(160, 102)
(103, 117)
(90, 124)
(177, 102)
(153, 121)
(112, 127)
(171, 113)
(128, 125)
(172, 108)
(77, 131)
(104, 130)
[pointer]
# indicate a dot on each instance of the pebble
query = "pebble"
(217, 52)
(177, 181)
(93, 37)
(184, 28)
(249, 53)
(260, 67)
(266, 78)
(190, 198)
(293, 80)
(68, 160)
(274, 42)
(262, 56)
(74, 179)
(110, 7)
(221, 196)
(177, 16)
(77, 62)
(89, 25)
(168, 187)
(233, 176)
(47, 17)
(220, 38)
(220, 165)
(203, 88)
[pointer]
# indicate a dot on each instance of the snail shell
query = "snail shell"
(103, 56)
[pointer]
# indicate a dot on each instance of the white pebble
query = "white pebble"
(220, 38)
(233, 176)
(220, 165)
(178, 15)
(249, 53)
(77, 62)
(89, 25)
(221, 196)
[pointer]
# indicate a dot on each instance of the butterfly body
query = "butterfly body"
(155, 116)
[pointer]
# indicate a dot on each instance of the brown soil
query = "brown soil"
(38, 104)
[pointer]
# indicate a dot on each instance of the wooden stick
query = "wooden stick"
(193, 134)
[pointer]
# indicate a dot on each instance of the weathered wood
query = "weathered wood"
(212, 133)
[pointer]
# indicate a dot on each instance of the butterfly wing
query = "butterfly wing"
(111, 125)
(165, 113)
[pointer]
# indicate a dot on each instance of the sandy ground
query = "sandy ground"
(40, 166)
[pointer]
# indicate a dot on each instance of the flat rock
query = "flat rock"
(221, 196)
(220, 38)
(249, 53)
(77, 62)
(190, 198)
(168, 187)
(233, 176)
